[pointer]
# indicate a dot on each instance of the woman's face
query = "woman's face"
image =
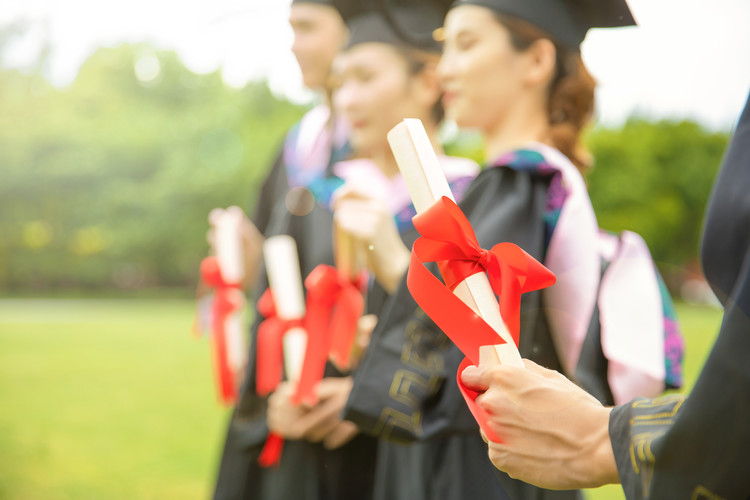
(373, 90)
(480, 71)
(319, 34)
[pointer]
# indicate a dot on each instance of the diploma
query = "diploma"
(229, 255)
(285, 282)
(426, 184)
(347, 254)
(228, 224)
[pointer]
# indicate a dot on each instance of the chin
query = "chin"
(462, 119)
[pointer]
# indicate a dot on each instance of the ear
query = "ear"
(427, 85)
(540, 64)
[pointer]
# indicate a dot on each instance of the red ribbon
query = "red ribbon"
(270, 455)
(334, 305)
(227, 300)
(269, 361)
(448, 239)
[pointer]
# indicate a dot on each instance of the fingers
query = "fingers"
(321, 420)
(474, 378)
(215, 215)
(348, 192)
(358, 218)
(334, 387)
(365, 326)
(340, 435)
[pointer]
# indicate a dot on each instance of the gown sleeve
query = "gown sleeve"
(405, 389)
(697, 447)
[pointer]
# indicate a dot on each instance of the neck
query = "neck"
(385, 160)
(524, 123)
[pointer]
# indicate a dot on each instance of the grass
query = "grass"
(105, 399)
(114, 399)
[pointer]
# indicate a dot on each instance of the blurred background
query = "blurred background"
(122, 124)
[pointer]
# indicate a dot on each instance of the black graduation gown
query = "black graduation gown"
(405, 391)
(307, 470)
(697, 447)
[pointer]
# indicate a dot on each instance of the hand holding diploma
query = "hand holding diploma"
(554, 434)
(224, 273)
(246, 250)
(319, 423)
(371, 229)
(474, 323)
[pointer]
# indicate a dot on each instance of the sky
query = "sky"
(686, 59)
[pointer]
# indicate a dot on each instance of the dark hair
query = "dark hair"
(416, 61)
(570, 103)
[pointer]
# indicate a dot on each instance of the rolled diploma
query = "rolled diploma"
(236, 349)
(347, 254)
(284, 278)
(229, 245)
(426, 184)
(232, 267)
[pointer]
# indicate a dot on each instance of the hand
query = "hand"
(282, 416)
(251, 240)
(369, 222)
(555, 435)
(321, 422)
(365, 326)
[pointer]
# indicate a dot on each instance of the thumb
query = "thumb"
(476, 378)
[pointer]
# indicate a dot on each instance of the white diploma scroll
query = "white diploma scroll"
(285, 280)
(426, 184)
(347, 253)
(228, 226)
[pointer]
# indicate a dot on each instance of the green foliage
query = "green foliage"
(109, 181)
(655, 179)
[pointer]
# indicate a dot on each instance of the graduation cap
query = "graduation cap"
(397, 22)
(567, 21)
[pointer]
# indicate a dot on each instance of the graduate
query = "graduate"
(309, 149)
(313, 144)
(670, 447)
(519, 79)
(378, 80)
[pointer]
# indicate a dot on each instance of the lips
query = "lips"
(357, 124)
(448, 97)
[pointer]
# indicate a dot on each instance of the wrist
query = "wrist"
(603, 457)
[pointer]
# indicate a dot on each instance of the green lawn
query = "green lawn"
(113, 399)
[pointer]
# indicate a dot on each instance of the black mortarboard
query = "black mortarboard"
(567, 21)
(324, 2)
(397, 22)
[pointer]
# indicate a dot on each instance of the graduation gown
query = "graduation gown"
(304, 160)
(307, 470)
(697, 447)
(405, 390)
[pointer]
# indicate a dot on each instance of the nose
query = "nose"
(445, 68)
(344, 97)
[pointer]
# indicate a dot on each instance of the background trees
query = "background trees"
(107, 183)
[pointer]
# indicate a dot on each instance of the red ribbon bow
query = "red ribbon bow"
(227, 299)
(448, 239)
(333, 307)
(269, 361)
